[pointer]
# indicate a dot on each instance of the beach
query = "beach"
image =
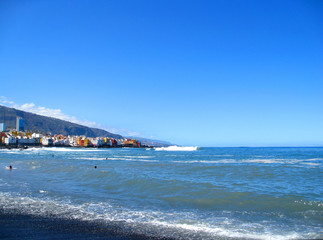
(21, 226)
(161, 193)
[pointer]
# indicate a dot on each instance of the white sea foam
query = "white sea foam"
(47, 149)
(311, 164)
(208, 161)
(264, 161)
(181, 225)
(10, 151)
(95, 158)
(224, 155)
(120, 158)
(176, 148)
(272, 160)
(63, 149)
(135, 156)
(8, 168)
(314, 159)
(226, 161)
(135, 159)
(209, 232)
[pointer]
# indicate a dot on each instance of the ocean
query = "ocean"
(171, 193)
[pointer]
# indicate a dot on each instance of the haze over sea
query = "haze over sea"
(181, 193)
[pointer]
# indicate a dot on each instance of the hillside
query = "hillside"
(152, 142)
(49, 125)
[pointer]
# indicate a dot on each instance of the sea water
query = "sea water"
(183, 193)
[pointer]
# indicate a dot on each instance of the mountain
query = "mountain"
(49, 124)
(153, 142)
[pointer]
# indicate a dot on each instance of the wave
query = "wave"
(129, 156)
(176, 225)
(176, 148)
(62, 149)
(309, 162)
(48, 149)
(207, 161)
(94, 158)
(119, 159)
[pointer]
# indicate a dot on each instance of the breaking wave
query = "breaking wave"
(184, 225)
(176, 148)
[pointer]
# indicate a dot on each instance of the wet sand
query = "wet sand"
(22, 226)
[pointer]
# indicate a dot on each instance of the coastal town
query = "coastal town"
(20, 138)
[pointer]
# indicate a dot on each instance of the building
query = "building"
(37, 135)
(10, 140)
(20, 124)
(3, 127)
(9, 118)
(97, 142)
(47, 141)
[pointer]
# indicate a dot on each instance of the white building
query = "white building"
(73, 141)
(3, 127)
(10, 140)
(61, 142)
(97, 142)
(37, 135)
(47, 141)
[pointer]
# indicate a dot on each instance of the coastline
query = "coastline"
(62, 146)
(57, 194)
(15, 225)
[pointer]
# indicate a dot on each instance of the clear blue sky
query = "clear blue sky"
(205, 73)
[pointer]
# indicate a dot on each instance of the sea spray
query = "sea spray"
(176, 148)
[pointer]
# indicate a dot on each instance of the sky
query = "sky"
(194, 73)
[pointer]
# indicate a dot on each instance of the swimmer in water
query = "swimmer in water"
(10, 167)
(95, 167)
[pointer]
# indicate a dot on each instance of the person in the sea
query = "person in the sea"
(95, 166)
(10, 167)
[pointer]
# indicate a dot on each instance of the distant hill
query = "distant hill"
(49, 125)
(153, 142)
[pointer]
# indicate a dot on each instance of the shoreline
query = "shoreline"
(62, 146)
(15, 225)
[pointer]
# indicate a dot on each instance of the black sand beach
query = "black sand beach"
(22, 226)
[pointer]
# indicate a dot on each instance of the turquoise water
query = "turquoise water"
(204, 193)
